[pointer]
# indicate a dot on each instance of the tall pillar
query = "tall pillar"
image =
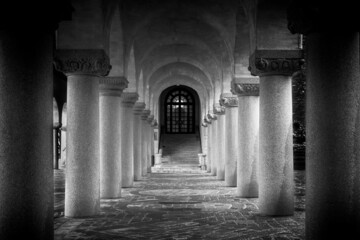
(63, 137)
(209, 140)
(332, 120)
(145, 142)
(150, 139)
(26, 104)
(138, 133)
(333, 136)
(82, 185)
(220, 141)
(213, 144)
(276, 170)
(110, 135)
(231, 155)
(247, 90)
(127, 138)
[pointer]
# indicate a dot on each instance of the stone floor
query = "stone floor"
(180, 206)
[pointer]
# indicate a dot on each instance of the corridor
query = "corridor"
(180, 206)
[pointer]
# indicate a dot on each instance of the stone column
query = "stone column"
(145, 142)
(276, 170)
(150, 147)
(213, 143)
(110, 135)
(138, 133)
(332, 123)
(127, 138)
(220, 141)
(26, 104)
(231, 154)
(209, 137)
(247, 90)
(82, 188)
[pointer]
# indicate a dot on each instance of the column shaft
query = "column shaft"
(137, 147)
(138, 135)
(333, 136)
(276, 190)
(143, 145)
(214, 148)
(127, 139)
(231, 146)
(82, 188)
(208, 149)
(110, 136)
(247, 169)
(26, 103)
(220, 169)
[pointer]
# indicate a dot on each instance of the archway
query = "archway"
(179, 111)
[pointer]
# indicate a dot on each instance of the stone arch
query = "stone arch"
(182, 53)
(161, 102)
(164, 83)
(171, 67)
(193, 10)
(183, 39)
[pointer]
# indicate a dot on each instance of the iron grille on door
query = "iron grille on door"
(179, 112)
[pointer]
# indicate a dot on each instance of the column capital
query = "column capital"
(245, 86)
(276, 62)
(204, 124)
(207, 120)
(228, 100)
(154, 123)
(139, 107)
(150, 118)
(112, 86)
(144, 115)
(219, 110)
(211, 116)
(128, 99)
(82, 62)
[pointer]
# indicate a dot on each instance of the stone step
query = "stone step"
(177, 169)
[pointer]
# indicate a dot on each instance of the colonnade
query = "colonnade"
(265, 161)
(251, 137)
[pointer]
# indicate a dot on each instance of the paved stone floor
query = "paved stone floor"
(180, 206)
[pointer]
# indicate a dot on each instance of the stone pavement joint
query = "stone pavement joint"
(180, 206)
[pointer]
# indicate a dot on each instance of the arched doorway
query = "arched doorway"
(179, 111)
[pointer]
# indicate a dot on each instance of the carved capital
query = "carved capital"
(212, 116)
(112, 86)
(219, 110)
(246, 89)
(227, 100)
(144, 115)
(276, 62)
(207, 120)
(154, 123)
(150, 118)
(128, 99)
(139, 108)
(78, 62)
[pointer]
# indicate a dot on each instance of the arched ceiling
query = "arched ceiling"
(181, 37)
(180, 69)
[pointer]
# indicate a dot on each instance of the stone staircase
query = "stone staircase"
(179, 154)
